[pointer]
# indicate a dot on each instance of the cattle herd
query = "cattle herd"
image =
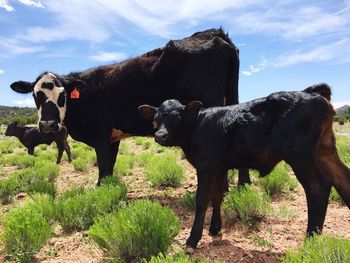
(192, 85)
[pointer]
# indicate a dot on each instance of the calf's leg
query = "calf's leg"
(203, 196)
(217, 197)
(31, 150)
(317, 188)
(67, 149)
(60, 148)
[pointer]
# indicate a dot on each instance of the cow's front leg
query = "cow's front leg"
(243, 177)
(106, 154)
(203, 197)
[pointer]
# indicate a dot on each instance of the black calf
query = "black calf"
(291, 126)
(31, 137)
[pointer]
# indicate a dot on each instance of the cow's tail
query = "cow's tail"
(323, 89)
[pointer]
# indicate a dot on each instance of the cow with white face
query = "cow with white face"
(50, 99)
(99, 106)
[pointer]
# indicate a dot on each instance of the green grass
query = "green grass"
(80, 164)
(247, 205)
(188, 200)
(323, 249)
(8, 188)
(21, 160)
(77, 209)
(140, 230)
(180, 258)
(26, 228)
(343, 147)
(278, 181)
(124, 164)
(163, 170)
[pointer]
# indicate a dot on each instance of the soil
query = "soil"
(237, 243)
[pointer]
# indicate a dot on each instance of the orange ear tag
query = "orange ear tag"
(75, 94)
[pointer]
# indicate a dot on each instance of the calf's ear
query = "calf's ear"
(148, 111)
(22, 86)
(193, 107)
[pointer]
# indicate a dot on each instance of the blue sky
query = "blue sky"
(284, 45)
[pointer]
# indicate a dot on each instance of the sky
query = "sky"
(284, 45)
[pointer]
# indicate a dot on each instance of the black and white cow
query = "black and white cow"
(99, 106)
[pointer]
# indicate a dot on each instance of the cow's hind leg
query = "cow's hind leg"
(243, 177)
(217, 197)
(317, 188)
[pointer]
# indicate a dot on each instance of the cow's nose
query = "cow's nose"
(161, 136)
(48, 126)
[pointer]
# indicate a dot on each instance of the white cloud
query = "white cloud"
(2, 71)
(109, 56)
(32, 3)
(29, 102)
(14, 47)
(256, 68)
(5, 4)
(339, 51)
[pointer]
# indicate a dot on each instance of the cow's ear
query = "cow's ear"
(71, 84)
(148, 111)
(15, 123)
(193, 107)
(22, 86)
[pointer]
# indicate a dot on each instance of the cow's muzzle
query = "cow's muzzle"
(162, 137)
(48, 126)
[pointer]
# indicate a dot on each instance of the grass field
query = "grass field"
(60, 203)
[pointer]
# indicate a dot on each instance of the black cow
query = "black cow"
(99, 105)
(291, 126)
(31, 137)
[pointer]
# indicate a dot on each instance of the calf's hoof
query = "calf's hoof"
(189, 250)
(214, 231)
(191, 243)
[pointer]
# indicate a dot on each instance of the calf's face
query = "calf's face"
(50, 99)
(170, 120)
(10, 130)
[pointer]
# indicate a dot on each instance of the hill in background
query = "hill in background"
(23, 115)
(342, 110)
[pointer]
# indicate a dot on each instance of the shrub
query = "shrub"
(140, 230)
(8, 187)
(78, 209)
(80, 164)
(124, 164)
(188, 200)
(278, 181)
(163, 170)
(43, 187)
(180, 258)
(343, 147)
(43, 204)
(247, 205)
(25, 231)
(144, 158)
(321, 249)
(21, 160)
(6, 147)
(335, 197)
